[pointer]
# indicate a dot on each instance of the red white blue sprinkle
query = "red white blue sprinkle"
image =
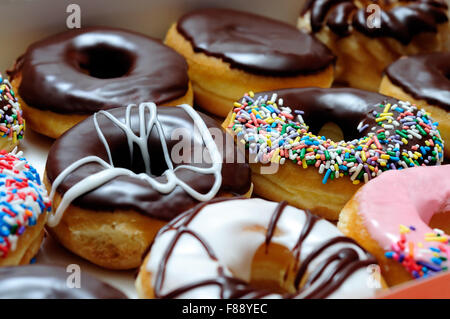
(22, 199)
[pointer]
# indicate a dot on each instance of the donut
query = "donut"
(116, 178)
(431, 89)
(231, 52)
(66, 77)
(51, 282)
(292, 160)
(253, 248)
(368, 35)
(402, 219)
(12, 124)
(24, 206)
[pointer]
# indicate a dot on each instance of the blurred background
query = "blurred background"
(26, 21)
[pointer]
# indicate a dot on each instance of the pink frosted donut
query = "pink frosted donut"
(401, 219)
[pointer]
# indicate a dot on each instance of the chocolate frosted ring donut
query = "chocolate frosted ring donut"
(66, 77)
(113, 193)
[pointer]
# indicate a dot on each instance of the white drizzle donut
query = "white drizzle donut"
(209, 252)
(110, 172)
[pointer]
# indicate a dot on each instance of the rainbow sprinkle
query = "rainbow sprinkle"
(12, 124)
(419, 261)
(399, 137)
(22, 199)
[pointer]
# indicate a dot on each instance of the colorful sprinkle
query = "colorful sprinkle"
(12, 124)
(22, 199)
(390, 142)
(420, 262)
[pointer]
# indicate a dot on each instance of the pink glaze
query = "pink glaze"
(408, 197)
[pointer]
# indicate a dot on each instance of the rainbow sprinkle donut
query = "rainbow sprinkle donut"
(23, 209)
(291, 160)
(397, 136)
(12, 124)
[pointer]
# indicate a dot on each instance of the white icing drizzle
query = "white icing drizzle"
(110, 172)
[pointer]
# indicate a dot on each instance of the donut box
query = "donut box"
(226, 150)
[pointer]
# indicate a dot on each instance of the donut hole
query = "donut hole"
(136, 163)
(441, 220)
(104, 62)
(272, 269)
(332, 131)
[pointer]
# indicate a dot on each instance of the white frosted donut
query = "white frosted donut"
(253, 248)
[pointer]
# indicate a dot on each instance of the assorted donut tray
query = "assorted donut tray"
(239, 157)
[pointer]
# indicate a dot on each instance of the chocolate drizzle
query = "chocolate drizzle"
(424, 76)
(343, 262)
(229, 287)
(128, 192)
(309, 225)
(400, 22)
(50, 282)
(253, 43)
(273, 222)
(84, 70)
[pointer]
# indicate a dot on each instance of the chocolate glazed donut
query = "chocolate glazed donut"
(253, 43)
(230, 52)
(399, 22)
(148, 187)
(50, 282)
(78, 72)
(433, 84)
(368, 35)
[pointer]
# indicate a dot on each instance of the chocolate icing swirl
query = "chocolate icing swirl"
(401, 22)
(84, 70)
(50, 282)
(128, 192)
(346, 261)
(254, 43)
(424, 76)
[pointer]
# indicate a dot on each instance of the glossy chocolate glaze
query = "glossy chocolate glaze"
(84, 70)
(254, 44)
(50, 282)
(399, 22)
(346, 260)
(338, 19)
(424, 76)
(126, 192)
